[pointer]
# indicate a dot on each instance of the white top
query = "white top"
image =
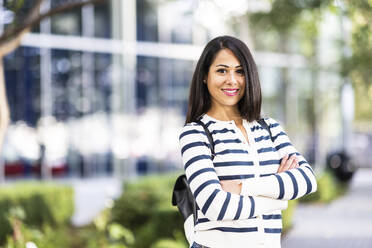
(252, 219)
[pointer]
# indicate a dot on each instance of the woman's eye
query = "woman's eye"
(240, 72)
(221, 70)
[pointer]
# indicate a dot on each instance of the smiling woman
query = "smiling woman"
(240, 188)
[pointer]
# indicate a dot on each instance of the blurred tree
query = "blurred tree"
(26, 15)
(286, 16)
(357, 66)
(296, 19)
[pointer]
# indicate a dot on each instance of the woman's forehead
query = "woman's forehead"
(226, 57)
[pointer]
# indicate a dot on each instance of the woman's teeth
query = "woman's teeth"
(231, 92)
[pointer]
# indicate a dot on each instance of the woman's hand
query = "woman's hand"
(231, 186)
(288, 163)
(235, 186)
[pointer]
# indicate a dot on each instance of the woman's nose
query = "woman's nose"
(231, 78)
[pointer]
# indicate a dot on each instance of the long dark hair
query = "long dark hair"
(199, 100)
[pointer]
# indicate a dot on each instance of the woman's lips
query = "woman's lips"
(230, 92)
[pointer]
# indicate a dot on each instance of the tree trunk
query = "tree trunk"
(4, 117)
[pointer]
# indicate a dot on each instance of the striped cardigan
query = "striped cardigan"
(253, 218)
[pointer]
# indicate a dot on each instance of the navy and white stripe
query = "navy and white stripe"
(288, 185)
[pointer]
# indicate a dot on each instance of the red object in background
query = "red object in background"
(59, 170)
(56, 170)
(18, 168)
(15, 168)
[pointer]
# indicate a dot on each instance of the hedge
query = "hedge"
(43, 204)
(329, 189)
(287, 215)
(145, 208)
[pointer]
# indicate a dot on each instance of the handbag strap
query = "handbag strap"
(209, 136)
(263, 123)
(213, 154)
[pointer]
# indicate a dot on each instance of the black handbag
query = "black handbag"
(182, 196)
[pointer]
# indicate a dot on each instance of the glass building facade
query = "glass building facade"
(102, 90)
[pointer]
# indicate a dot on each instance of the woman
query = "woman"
(240, 191)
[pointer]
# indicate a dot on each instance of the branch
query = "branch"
(33, 19)
(12, 44)
(11, 32)
(34, 12)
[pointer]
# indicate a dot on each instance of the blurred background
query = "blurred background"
(94, 95)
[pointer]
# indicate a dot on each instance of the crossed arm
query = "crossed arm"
(294, 178)
(219, 200)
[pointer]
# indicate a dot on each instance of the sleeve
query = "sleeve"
(213, 201)
(287, 185)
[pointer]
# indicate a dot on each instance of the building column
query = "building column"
(124, 86)
(46, 93)
(88, 80)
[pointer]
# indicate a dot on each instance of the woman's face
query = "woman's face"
(226, 80)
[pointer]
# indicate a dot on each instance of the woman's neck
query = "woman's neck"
(226, 114)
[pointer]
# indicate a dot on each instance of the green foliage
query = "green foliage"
(145, 208)
(307, 32)
(329, 188)
(27, 236)
(296, 22)
(113, 236)
(282, 16)
(177, 242)
(285, 13)
(101, 234)
(106, 234)
(169, 243)
(118, 232)
(357, 66)
(15, 4)
(42, 204)
(287, 215)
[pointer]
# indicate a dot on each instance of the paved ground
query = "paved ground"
(92, 196)
(345, 223)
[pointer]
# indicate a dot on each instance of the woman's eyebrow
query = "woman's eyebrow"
(226, 66)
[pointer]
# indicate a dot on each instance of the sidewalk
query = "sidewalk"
(345, 223)
(92, 196)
